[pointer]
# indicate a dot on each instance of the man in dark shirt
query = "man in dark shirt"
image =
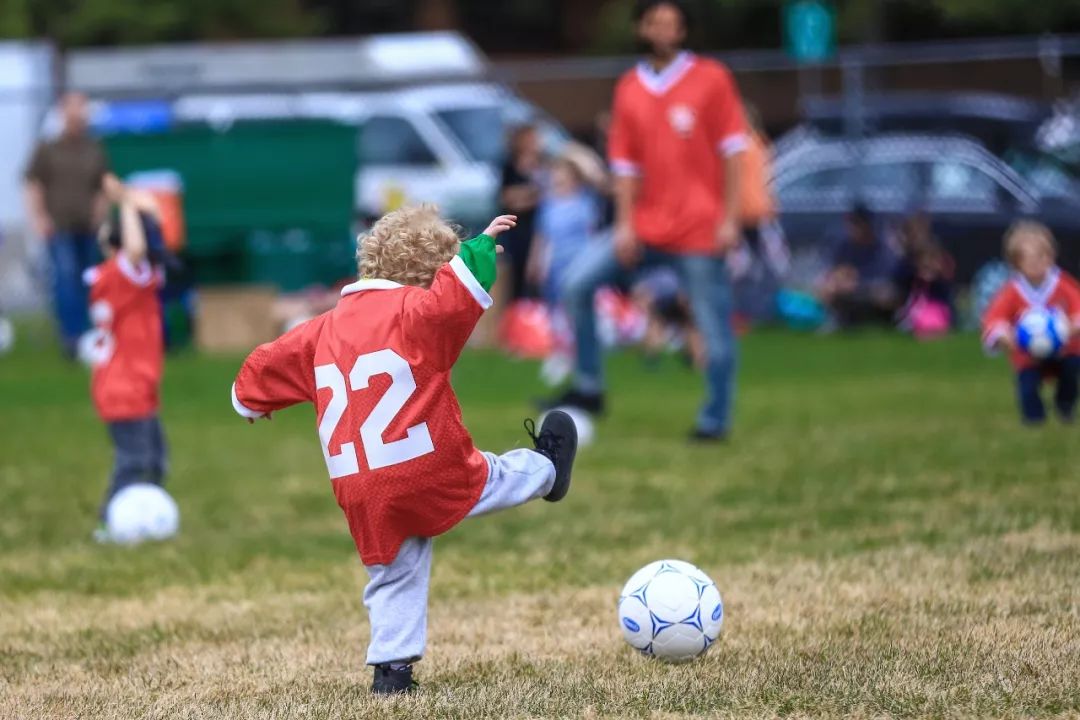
(64, 201)
(858, 287)
(519, 194)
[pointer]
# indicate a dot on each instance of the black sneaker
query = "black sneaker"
(557, 441)
(389, 681)
(705, 437)
(592, 403)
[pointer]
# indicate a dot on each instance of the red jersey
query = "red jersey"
(671, 129)
(377, 368)
(1059, 291)
(127, 348)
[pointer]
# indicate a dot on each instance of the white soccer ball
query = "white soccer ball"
(7, 335)
(141, 512)
(670, 610)
(586, 430)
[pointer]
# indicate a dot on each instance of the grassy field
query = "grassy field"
(888, 542)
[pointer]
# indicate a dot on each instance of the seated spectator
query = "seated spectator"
(858, 288)
(924, 277)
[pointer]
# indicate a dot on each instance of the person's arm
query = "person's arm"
(624, 157)
(132, 233)
(997, 327)
(278, 374)
(535, 270)
(520, 198)
(728, 134)
(516, 194)
(34, 193)
(441, 319)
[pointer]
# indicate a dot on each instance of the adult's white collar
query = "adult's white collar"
(659, 83)
(369, 284)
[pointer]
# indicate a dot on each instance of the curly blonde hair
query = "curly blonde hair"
(407, 246)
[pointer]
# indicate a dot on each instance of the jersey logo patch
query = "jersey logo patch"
(682, 120)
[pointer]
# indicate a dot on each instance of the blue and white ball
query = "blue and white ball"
(141, 512)
(1042, 333)
(670, 610)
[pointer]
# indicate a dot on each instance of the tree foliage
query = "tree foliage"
(511, 25)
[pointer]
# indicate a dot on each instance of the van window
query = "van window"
(387, 140)
(480, 130)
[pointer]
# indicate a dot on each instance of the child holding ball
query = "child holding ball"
(1037, 283)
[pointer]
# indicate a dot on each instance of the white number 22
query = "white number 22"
(379, 454)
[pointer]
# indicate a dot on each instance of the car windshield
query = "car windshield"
(1044, 175)
(478, 129)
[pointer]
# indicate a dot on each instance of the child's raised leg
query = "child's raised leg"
(514, 479)
(1028, 383)
(1067, 389)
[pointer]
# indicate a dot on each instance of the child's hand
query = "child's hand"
(1007, 341)
(500, 225)
(251, 421)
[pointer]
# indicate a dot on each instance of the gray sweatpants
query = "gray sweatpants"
(141, 455)
(396, 594)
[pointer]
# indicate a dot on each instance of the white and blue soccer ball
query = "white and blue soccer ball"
(141, 512)
(670, 610)
(1042, 333)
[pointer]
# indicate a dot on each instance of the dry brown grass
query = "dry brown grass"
(991, 630)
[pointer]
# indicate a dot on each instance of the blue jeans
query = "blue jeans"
(70, 255)
(141, 455)
(1029, 383)
(706, 283)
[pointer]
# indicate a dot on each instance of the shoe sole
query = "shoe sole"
(559, 492)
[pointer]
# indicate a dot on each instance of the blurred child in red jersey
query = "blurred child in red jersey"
(125, 348)
(403, 466)
(1037, 283)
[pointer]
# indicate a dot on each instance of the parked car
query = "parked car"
(1009, 127)
(971, 194)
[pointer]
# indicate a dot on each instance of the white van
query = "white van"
(431, 122)
(443, 144)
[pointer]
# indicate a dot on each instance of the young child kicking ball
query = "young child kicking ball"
(403, 467)
(1036, 283)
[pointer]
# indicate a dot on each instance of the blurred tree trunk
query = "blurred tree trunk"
(436, 15)
(578, 23)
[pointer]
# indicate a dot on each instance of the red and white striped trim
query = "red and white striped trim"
(369, 284)
(464, 274)
(241, 409)
(659, 83)
(734, 144)
(141, 275)
(625, 168)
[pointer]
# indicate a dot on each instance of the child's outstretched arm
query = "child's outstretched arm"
(132, 235)
(278, 374)
(998, 332)
(443, 318)
(479, 253)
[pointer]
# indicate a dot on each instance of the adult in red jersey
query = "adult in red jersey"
(126, 349)
(676, 136)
